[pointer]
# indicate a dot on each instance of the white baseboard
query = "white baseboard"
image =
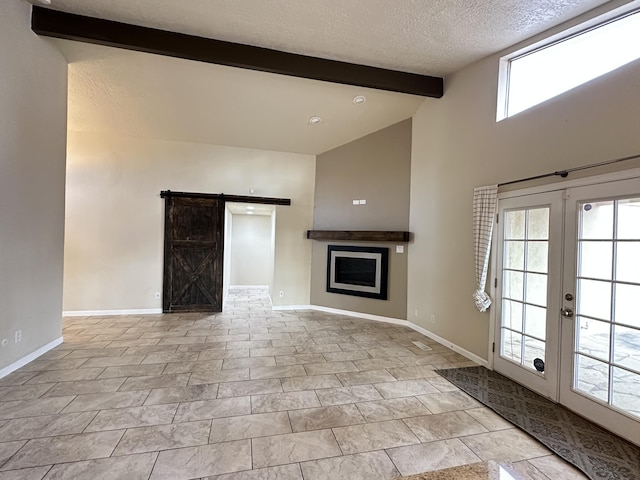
(397, 321)
(29, 358)
(465, 353)
(89, 313)
(367, 316)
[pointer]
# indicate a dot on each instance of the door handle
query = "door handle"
(566, 312)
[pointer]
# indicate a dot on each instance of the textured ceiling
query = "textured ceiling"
(433, 37)
(117, 91)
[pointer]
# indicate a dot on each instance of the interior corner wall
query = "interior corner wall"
(458, 145)
(33, 116)
(375, 168)
(115, 222)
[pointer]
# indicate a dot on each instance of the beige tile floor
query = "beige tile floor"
(248, 394)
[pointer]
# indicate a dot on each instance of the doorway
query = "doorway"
(567, 299)
(250, 246)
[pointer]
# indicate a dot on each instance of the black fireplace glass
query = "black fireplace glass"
(356, 271)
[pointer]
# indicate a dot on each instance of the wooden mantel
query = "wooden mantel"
(359, 235)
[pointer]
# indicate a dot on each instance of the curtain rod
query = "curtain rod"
(565, 173)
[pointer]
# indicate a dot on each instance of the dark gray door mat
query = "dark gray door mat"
(597, 452)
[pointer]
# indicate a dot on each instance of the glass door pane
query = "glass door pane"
(607, 329)
(524, 286)
(528, 279)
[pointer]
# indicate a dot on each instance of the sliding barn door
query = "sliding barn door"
(193, 254)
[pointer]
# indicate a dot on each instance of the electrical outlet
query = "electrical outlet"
(157, 295)
(282, 293)
(415, 312)
(433, 318)
(17, 336)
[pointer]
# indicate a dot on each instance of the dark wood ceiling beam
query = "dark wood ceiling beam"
(52, 23)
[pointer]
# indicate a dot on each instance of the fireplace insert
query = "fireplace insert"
(359, 271)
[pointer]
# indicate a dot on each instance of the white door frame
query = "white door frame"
(560, 185)
(546, 383)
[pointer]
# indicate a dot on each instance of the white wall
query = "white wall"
(33, 101)
(114, 221)
(251, 253)
(457, 145)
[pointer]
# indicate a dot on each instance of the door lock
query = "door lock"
(568, 297)
(566, 312)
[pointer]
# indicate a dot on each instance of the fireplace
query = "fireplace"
(359, 271)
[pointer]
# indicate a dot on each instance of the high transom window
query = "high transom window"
(548, 71)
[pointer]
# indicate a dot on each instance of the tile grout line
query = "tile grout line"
(154, 464)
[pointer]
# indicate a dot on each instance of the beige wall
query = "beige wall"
(394, 307)
(114, 221)
(251, 254)
(375, 168)
(33, 102)
(457, 145)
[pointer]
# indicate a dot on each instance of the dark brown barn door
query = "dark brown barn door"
(193, 254)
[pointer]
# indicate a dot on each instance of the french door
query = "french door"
(568, 299)
(530, 249)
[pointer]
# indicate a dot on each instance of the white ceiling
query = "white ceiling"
(122, 92)
(139, 94)
(250, 208)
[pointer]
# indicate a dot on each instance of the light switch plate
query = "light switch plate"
(399, 248)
